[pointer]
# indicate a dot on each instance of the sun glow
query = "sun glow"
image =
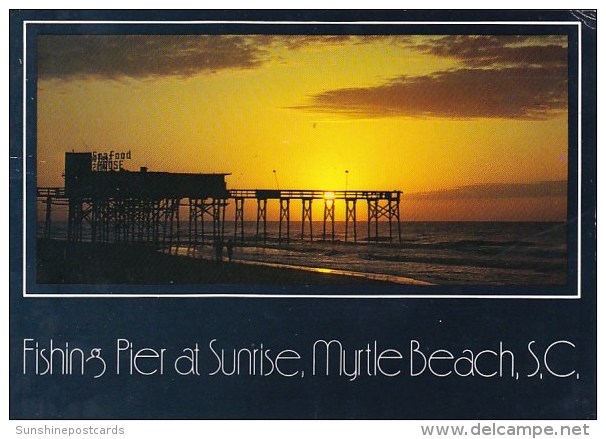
(329, 196)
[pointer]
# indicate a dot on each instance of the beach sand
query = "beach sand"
(62, 262)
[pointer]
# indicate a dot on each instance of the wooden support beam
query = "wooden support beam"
(350, 215)
(47, 222)
(239, 219)
(329, 214)
(284, 216)
(306, 215)
(262, 216)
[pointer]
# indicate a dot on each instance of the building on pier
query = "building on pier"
(140, 206)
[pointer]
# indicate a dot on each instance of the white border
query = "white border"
(303, 296)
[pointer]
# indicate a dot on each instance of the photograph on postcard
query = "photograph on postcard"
(303, 159)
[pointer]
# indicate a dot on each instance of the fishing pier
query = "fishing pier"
(120, 205)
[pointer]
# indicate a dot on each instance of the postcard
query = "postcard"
(303, 215)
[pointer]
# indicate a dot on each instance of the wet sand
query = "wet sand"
(357, 274)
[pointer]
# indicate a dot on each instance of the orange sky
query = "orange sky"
(469, 127)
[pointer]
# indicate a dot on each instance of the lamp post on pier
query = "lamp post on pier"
(346, 178)
(276, 177)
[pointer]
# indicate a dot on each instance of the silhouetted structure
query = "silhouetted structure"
(380, 204)
(145, 206)
(140, 206)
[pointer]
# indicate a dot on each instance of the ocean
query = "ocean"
(444, 253)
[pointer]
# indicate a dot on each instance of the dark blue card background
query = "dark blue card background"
(453, 324)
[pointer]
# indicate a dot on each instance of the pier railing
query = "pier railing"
(300, 194)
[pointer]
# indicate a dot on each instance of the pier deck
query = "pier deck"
(115, 218)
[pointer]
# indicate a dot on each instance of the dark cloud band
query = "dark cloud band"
(500, 76)
(514, 93)
(558, 188)
(153, 56)
(499, 50)
(143, 56)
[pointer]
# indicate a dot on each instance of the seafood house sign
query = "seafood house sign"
(110, 160)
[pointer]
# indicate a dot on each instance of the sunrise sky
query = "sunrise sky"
(469, 127)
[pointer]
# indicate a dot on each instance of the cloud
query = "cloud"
(499, 76)
(499, 50)
(298, 42)
(558, 188)
(143, 56)
(153, 56)
(511, 93)
(519, 77)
